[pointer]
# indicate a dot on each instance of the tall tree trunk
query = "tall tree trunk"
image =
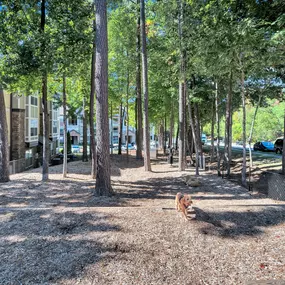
(194, 134)
(283, 152)
(91, 122)
(103, 175)
(46, 149)
(252, 127)
(218, 128)
(164, 135)
(171, 127)
(160, 137)
(120, 131)
(145, 90)
(212, 133)
(198, 134)
(64, 171)
(243, 173)
(177, 137)
(127, 115)
(85, 155)
(4, 147)
(182, 162)
(139, 117)
(111, 117)
(228, 126)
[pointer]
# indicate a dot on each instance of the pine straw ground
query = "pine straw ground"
(58, 233)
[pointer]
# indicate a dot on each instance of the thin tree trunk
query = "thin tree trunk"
(85, 155)
(120, 128)
(139, 117)
(112, 145)
(194, 135)
(177, 137)
(145, 90)
(4, 147)
(182, 162)
(64, 171)
(283, 152)
(243, 174)
(212, 133)
(91, 123)
(198, 134)
(127, 115)
(171, 126)
(46, 149)
(251, 129)
(103, 175)
(228, 146)
(160, 138)
(164, 135)
(218, 129)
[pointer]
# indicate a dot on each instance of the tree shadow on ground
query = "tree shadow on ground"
(42, 247)
(231, 224)
(166, 188)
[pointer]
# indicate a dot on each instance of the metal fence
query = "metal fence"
(276, 186)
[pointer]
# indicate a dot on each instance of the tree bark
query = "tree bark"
(145, 90)
(164, 135)
(212, 133)
(160, 137)
(252, 127)
(283, 152)
(171, 127)
(127, 114)
(64, 171)
(182, 160)
(84, 155)
(4, 147)
(112, 128)
(46, 149)
(198, 133)
(139, 119)
(92, 99)
(120, 131)
(194, 135)
(103, 175)
(177, 137)
(228, 127)
(243, 174)
(218, 129)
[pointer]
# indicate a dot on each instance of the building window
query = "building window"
(54, 120)
(32, 118)
(34, 132)
(34, 101)
(73, 121)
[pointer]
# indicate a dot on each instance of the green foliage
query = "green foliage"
(268, 124)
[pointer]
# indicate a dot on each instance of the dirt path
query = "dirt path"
(58, 233)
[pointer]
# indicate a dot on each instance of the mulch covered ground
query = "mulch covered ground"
(59, 233)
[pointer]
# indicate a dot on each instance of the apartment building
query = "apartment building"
(74, 127)
(114, 131)
(24, 115)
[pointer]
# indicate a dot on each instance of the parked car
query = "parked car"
(203, 139)
(263, 146)
(278, 146)
(131, 146)
(75, 148)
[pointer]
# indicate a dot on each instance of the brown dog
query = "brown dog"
(182, 202)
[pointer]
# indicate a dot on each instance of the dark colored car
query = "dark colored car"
(278, 146)
(264, 146)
